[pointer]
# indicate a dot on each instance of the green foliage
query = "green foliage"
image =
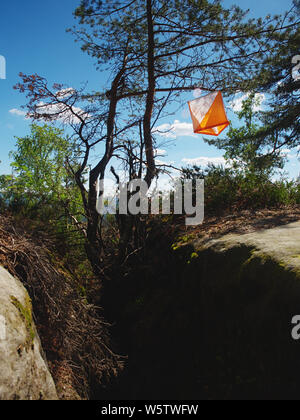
(39, 164)
(241, 146)
(41, 192)
(41, 183)
(194, 41)
(258, 142)
(275, 76)
(229, 189)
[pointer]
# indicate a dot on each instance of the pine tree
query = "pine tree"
(154, 49)
(278, 78)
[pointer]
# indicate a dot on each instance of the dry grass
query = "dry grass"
(74, 336)
(245, 221)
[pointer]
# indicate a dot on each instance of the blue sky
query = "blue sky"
(33, 39)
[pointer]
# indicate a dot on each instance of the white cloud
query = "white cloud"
(197, 93)
(60, 112)
(160, 152)
(17, 112)
(163, 183)
(205, 161)
(175, 130)
(160, 162)
(237, 102)
(65, 93)
(288, 153)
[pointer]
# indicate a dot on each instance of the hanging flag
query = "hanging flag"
(208, 114)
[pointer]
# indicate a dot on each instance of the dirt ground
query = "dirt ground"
(245, 221)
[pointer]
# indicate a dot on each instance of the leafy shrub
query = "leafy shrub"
(228, 189)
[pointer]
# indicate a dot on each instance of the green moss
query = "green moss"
(26, 314)
(194, 255)
(182, 242)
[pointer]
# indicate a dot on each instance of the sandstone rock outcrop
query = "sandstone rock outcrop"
(24, 374)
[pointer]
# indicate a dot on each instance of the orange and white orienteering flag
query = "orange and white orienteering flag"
(208, 114)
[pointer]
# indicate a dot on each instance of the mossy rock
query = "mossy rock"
(24, 372)
(26, 314)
